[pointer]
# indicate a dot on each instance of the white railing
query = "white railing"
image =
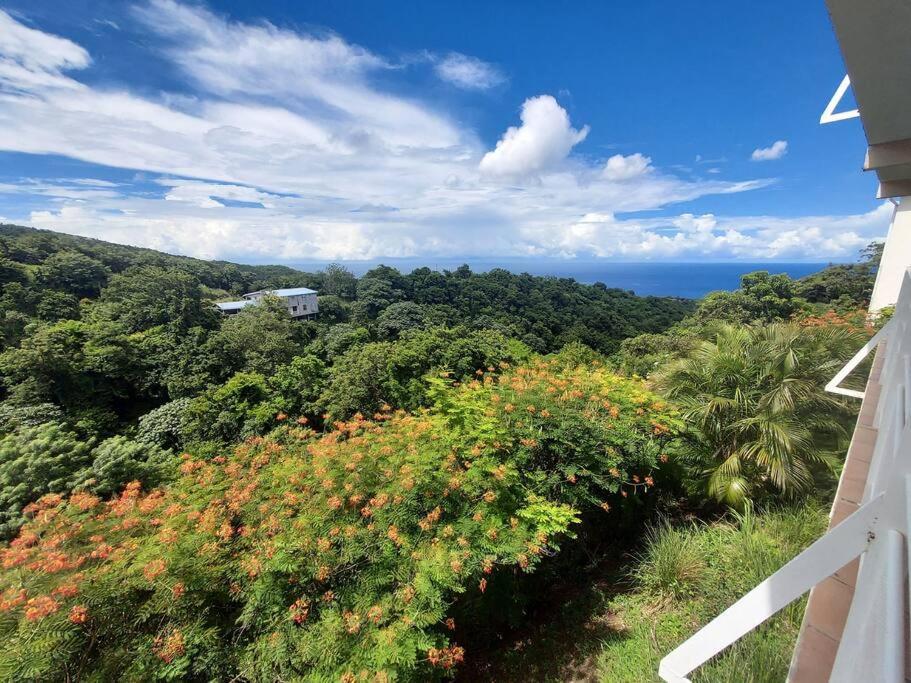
(872, 646)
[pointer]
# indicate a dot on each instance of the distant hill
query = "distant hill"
(32, 246)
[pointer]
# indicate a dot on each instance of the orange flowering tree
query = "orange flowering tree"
(329, 557)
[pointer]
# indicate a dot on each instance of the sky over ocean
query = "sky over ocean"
(282, 131)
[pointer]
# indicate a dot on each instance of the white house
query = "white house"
(301, 301)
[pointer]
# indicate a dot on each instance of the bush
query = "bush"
(316, 557)
(14, 415)
(35, 461)
(163, 426)
(118, 461)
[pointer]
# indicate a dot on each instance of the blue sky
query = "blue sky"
(288, 131)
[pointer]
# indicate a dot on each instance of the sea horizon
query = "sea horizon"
(686, 279)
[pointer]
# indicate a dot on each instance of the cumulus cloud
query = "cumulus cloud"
(619, 167)
(544, 139)
(775, 151)
(289, 137)
(468, 72)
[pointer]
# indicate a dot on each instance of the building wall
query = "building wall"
(302, 304)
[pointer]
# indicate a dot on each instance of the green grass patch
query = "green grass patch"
(615, 628)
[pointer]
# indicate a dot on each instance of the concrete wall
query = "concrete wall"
(896, 259)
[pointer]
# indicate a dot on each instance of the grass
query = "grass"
(616, 628)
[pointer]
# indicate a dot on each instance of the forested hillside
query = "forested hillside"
(382, 492)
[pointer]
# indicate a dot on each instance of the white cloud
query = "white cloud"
(194, 219)
(544, 139)
(288, 148)
(31, 58)
(468, 72)
(619, 167)
(777, 150)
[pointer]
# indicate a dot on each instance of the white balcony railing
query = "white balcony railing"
(872, 645)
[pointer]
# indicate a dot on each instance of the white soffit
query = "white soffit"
(875, 41)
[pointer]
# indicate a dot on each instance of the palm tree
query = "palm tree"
(754, 397)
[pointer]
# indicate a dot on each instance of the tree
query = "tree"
(163, 426)
(399, 317)
(366, 377)
(147, 296)
(299, 384)
(338, 281)
(118, 461)
(760, 416)
(258, 339)
(10, 271)
(761, 298)
(14, 415)
(73, 272)
(300, 555)
(54, 306)
(373, 295)
(35, 461)
(241, 407)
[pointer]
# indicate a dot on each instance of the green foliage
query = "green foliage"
(35, 461)
(366, 377)
(733, 556)
(338, 281)
(401, 317)
(163, 426)
(643, 354)
(147, 296)
(118, 461)
(755, 400)
(315, 557)
(14, 415)
(73, 272)
(259, 338)
(761, 298)
(243, 406)
(10, 271)
(298, 385)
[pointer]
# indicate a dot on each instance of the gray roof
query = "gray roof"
(233, 305)
(294, 291)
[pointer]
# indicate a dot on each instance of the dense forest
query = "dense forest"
(373, 494)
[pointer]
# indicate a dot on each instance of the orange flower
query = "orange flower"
(40, 607)
(352, 622)
(79, 614)
(300, 610)
(169, 647)
(154, 569)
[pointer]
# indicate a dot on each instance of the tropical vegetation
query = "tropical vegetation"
(382, 492)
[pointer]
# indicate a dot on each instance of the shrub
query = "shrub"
(14, 415)
(118, 461)
(163, 426)
(318, 557)
(35, 461)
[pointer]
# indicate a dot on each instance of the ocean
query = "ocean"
(689, 280)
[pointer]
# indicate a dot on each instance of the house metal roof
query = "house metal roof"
(233, 305)
(294, 291)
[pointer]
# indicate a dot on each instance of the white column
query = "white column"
(896, 258)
